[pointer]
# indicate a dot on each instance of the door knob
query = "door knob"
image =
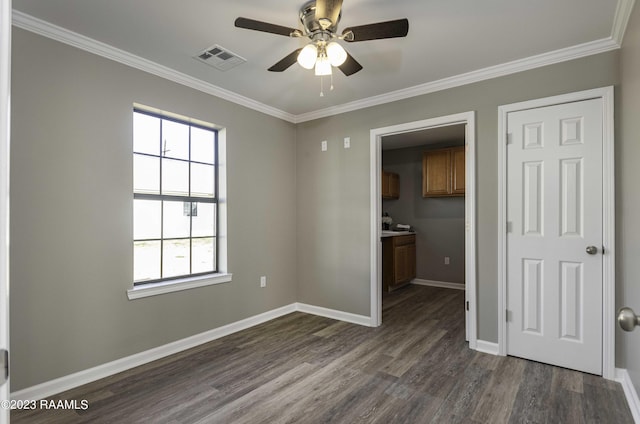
(627, 319)
(592, 250)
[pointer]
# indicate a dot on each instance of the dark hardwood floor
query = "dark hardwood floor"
(415, 368)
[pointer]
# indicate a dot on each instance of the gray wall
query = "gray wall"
(333, 187)
(628, 197)
(71, 213)
(438, 221)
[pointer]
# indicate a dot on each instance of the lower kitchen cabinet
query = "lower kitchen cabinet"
(398, 261)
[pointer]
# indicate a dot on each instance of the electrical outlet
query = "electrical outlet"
(324, 145)
(446, 260)
(263, 281)
(347, 142)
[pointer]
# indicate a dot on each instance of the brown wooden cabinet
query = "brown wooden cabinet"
(390, 185)
(443, 172)
(398, 261)
(458, 170)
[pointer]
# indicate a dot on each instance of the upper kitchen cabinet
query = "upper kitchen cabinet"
(390, 185)
(443, 172)
(458, 170)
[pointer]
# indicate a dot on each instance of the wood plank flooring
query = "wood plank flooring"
(415, 368)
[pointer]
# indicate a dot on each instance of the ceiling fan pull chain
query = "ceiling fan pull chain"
(331, 76)
(321, 92)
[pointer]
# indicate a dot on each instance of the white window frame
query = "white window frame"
(222, 275)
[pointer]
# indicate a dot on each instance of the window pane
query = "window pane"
(175, 177)
(146, 134)
(175, 258)
(203, 254)
(175, 140)
(203, 224)
(202, 180)
(146, 174)
(175, 222)
(202, 142)
(173, 161)
(146, 219)
(146, 260)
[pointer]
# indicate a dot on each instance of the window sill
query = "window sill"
(155, 289)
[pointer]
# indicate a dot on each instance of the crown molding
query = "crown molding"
(49, 30)
(46, 29)
(621, 19)
(549, 58)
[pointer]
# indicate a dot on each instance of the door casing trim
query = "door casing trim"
(376, 135)
(608, 216)
(5, 137)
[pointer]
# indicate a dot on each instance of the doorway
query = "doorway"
(376, 136)
(556, 244)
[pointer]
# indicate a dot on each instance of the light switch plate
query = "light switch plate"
(347, 142)
(324, 145)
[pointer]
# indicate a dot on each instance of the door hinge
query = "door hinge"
(467, 305)
(509, 226)
(507, 315)
(4, 357)
(509, 138)
(603, 250)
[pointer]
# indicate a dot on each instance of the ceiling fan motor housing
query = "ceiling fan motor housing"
(313, 25)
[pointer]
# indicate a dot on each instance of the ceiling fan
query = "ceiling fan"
(320, 19)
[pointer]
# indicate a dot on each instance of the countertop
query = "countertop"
(385, 233)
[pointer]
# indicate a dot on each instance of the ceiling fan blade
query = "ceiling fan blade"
(247, 23)
(328, 9)
(289, 60)
(350, 66)
(389, 29)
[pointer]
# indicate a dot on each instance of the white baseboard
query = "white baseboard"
(487, 347)
(52, 387)
(443, 284)
(332, 313)
(48, 388)
(622, 376)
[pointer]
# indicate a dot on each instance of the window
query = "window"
(175, 198)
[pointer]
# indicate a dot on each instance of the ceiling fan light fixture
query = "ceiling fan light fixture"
(323, 66)
(308, 55)
(336, 53)
(319, 19)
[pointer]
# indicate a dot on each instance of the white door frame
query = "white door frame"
(5, 105)
(467, 118)
(608, 217)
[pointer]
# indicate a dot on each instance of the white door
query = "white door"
(5, 72)
(554, 235)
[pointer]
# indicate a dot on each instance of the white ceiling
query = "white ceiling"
(447, 38)
(448, 134)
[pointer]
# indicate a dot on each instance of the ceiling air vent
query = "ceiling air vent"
(220, 58)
